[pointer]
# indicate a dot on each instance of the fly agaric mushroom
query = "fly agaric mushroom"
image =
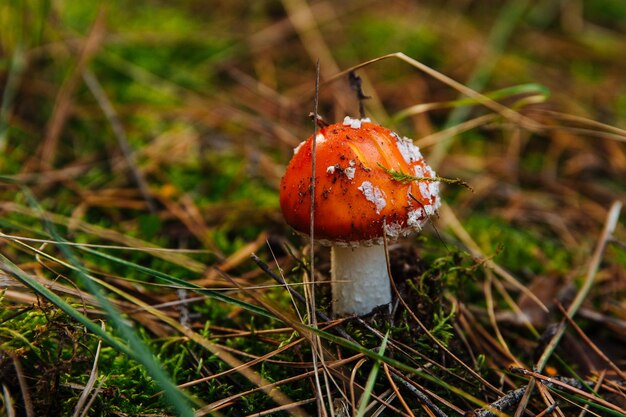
(369, 183)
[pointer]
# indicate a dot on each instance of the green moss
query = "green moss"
(517, 248)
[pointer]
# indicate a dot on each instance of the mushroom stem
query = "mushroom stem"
(360, 281)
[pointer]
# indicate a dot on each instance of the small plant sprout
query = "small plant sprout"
(358, 203)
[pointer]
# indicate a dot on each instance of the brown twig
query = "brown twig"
(596, 388)
(390, 378)
(508, 401)
(568, 384)
(423, 398)
(609, 226)
(590, 343)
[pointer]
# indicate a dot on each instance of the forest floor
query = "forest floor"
(145, 266)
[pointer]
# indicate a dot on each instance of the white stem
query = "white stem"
(360, 281)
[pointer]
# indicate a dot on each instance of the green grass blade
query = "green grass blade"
(152, 272)
(598, 407)
(511, 14)
(10, 90)
(182, 283)
(397, 364)
(371, 380)
(10, 268)
(136, 348)
(537, 92)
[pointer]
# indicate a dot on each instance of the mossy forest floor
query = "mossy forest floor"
(141, 148)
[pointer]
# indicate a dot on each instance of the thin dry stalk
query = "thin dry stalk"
(594, 264)
(21, 379)
(492, 317)
(590, 343)
(397, 391)
(384, 403)
(596, 388)
(353, 384)
(229, 400)
(284, 407)
(217, 350)
(63, 103)
(449, 219)
(504, 111)
(548, 381)
(177, 257)
(309, 279)
(8, 402)
(80, 410)
(116, 125)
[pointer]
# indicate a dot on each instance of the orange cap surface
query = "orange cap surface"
(356, 200)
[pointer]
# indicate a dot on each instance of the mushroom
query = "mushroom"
(369, 183)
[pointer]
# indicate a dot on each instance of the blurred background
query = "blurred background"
(222, 90)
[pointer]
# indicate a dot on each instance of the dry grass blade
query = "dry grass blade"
(82, 406)
(229, 400)
(93, 245)
(8, 402)
(590, 343)
(63, 103)
(609, 227)
(108, 234)
(450, 220)
(397, 391)
(450, 132)
(504, 111)
(110, 113)
(548, 381)
(590, 126)
(285, 407)
(596, 388)
(492, 317)
(26, 397)
(214, 348)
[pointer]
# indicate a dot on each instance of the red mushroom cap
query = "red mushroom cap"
(356, 200)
